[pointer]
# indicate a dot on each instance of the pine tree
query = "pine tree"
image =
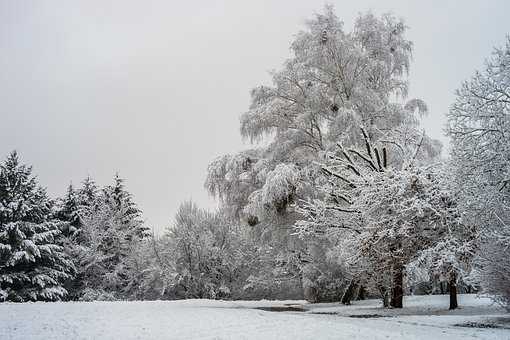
(112, 232)
(74, 209)
(69, 211)
(120, 200)
(88, 193)
(75, 204)
(32, 265)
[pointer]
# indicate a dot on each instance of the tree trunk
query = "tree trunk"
(452, 288)
(398, 289)
(469, 289)
(361, 293)
(349, 292)
(385, 297)
(311, 295)
(386, 300)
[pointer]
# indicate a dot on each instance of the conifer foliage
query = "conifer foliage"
(111, 231)
(32, 265)
(318, 210)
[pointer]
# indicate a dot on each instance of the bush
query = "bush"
(90, 294)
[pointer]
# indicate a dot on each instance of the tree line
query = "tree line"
(347, 197)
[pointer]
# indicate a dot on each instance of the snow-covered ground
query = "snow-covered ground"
(422, 318)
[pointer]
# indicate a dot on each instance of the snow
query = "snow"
(425, 317)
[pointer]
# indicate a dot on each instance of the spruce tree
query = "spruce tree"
(76, 205)
(120, 201)
(69, 211)
(112, 231)
(88, 193)
(32, 265)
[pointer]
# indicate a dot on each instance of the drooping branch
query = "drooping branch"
(367, 142)
(378, 160)
(341, 226)
(342, 197)
(341, 209)
(330, 173)
(369, 161)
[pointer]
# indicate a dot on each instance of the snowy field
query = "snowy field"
(423, 318)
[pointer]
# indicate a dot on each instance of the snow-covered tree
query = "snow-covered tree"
(493, 272)
(72, 209)
(33, 266)
(449, 259)
(69, 211)
(207, 252)
(335, 81)
(479, 126)
(105, 249)
(385, 214)
(232, 178)
(156, 275)
(118, 199)
(88, 193)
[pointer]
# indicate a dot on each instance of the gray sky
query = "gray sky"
(154, 89)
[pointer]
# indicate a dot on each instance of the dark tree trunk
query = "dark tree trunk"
(349, 292)
(452, 288)
(397, 293)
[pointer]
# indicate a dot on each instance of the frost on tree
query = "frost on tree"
(330, 88)
(68, 210)
(107, 245)
(384, 214)
(207, 253)
(335, 81)
(119, 199)
(479, 126)
(33, 266)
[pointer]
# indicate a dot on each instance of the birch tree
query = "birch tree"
(335, 81)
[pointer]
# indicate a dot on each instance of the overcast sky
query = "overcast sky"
(154, 89)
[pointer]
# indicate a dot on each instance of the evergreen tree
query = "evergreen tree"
(120, 200)
(76, 204)
(88, 193)
(69, 211)
(110, 237)
(74, 207)
(32, 265)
